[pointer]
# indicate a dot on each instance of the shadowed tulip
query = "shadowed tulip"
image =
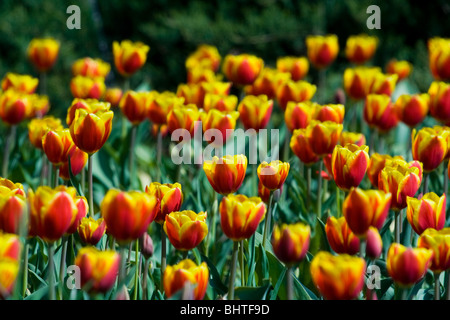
(340, 237)
(290, 242)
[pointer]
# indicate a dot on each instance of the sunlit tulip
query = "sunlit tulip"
(184, 117)
(57, 146)
(226, 103)
(19, 82)
(383, 84)
(134, 105)
(365, 208)
(338, 277)
(340, 237)
(290, 242)
(92, 68)
(242, 69)
(170, 197)
(98, 269)
(90, 131)
(330, 112)
(439, 243)
(200, 74)
(412, 109)
(296, 91)
(129, 56)
(299, 114)
(52, 211)
(78, 160)
(113, 96)
(226, 174)
(323, 136)
(322, 50)
(9, 271)
(255, 111)
(439, 58)
(352, 137)
(90, 105)
(10, 246)
(87, 88)
(161, 104)
(297, 67)
(267, 83)
(192, 93)
(91, 230)
(360, 48)
(223, 123)
(376, 163)
(43, 53)
(272, 175)
(401, 68)
(216, 87)
(176, 277)
(374, 243)
(240, 216)
(300, 146)
(13, 208)
(17, 188)
(206, 56)
(128, 214)
(15, 107)
(401, 179)
(37, 128)
(429, 147)
(439, 101)
(349, 165)
(426, 212)
(357, 81)
(406, 266)
(186, 229)
(379, 112)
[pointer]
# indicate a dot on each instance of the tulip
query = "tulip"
(52, 211)
(401, 68)
(43, 53)
(426, 212)
(437, 241)
(83, 209)
(349, 165)
(12, 209)
(177, 276)
(90, 105)
(340, 236)
(338, 277)
(242, 69)
(6, 185)
(87, 88)
(200, 74)
(146, 245)
(15, 107)
(376, 163)
(291, 242)
(206, 56)
(9, 270)
(412, 109)
(357, 81)
(383, 84)
(161, 104)
(78, 160)
(134, 105)
(322, 50)
(10, 246)
(90, 131)
(267, 83)
(98, 269)
(302, 149)
(91, 230)
(374, 244)
(37, 128)
(23, 83)
(272, 175)
(226, 174)
(113, 96)
(297, 67)
(170, 198)
(255, 111)
(299, 114)
(185, 229)
(439, 101)
(92, 68)
(429, 147)
(225, 103)
(57, 146)
(129, 56)
(406, 266)
(402, 180)
(379, 112)
(361, 48)
(264, 193)
(128, 214)
(240, 216)
(192, 93)
(330, 112)
(216, 87)
(365, 208)
(223, 122)
(439, 58)
(296, 91)
(323, 136)
(352, 137)
(184, 117)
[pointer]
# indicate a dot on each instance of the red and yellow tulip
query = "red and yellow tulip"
(226, 174)
(267, 83)
(10, 246)
(185, 229)
(43, 53)
(426, 212)
(360, 48)
(340, 237)
(301, 147)
(437, 241)
(78, 160)
(170, 197)
(357, 81)
(429, 146)
(15, 107)
(221, 102)
(161, 104)
(92, 68)
(206, 56)
(401, 68)
(439, 101)
(87, 88)
(323, 136)
(439, 58)
(299, 114)
(330, 112)
(91, 230)
(90, 105)
(9, 270)
(376, 163)
(223, 122)
(57, 146)
(113, 96)
(322, 50)
(412, 109)
(379, 112)
(297, 67)
(352, 137)
(272, 175)
(18, 82)
(134, 105)
(184, 117)
(290, 242)
(242, 69)
(13, 208)
(129, 56)
(38, 127)
(349, 165)
(255, 111)
(296, 91)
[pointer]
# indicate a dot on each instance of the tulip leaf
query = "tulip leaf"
(215, 280)
(38, 294)
(252, 293)
(274, 293)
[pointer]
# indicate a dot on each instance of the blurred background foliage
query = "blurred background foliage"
(173, 29)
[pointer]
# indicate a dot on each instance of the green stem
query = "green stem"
(43, 169)
(62, 264)
(6, 151)
(338, 202)
(91, 190)
(319, 191)
(290, 283)
(131, 161)
(145, 280)
(241, 261)
(448, 285)
(233, 271)
(159, 155)
(55, 176)
(136, 271)
(308, 187)
(362, 247)
(252, 260)
(287, 147)
(51, 272)
(83, 180)
(267, 222)
(425, 183)
(122, 269)
(25, 268)
(397, 227)
(445, 177)
(212, 226)
(163, 256)
(437, 287)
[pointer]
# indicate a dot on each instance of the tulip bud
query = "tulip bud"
(185, 229)
(322, 50)
(91, 230)
(43, 53)
(297, 67)
(349, 165)
(374, 244)
(146, 245)
(129, 56)
(340, 237)
(439, 243)
(401, 68)
(226, 174)
(291, 242)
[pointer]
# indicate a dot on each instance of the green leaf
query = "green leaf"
(215, 280)
(274, 293)
(252, 293)
(74, 181)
